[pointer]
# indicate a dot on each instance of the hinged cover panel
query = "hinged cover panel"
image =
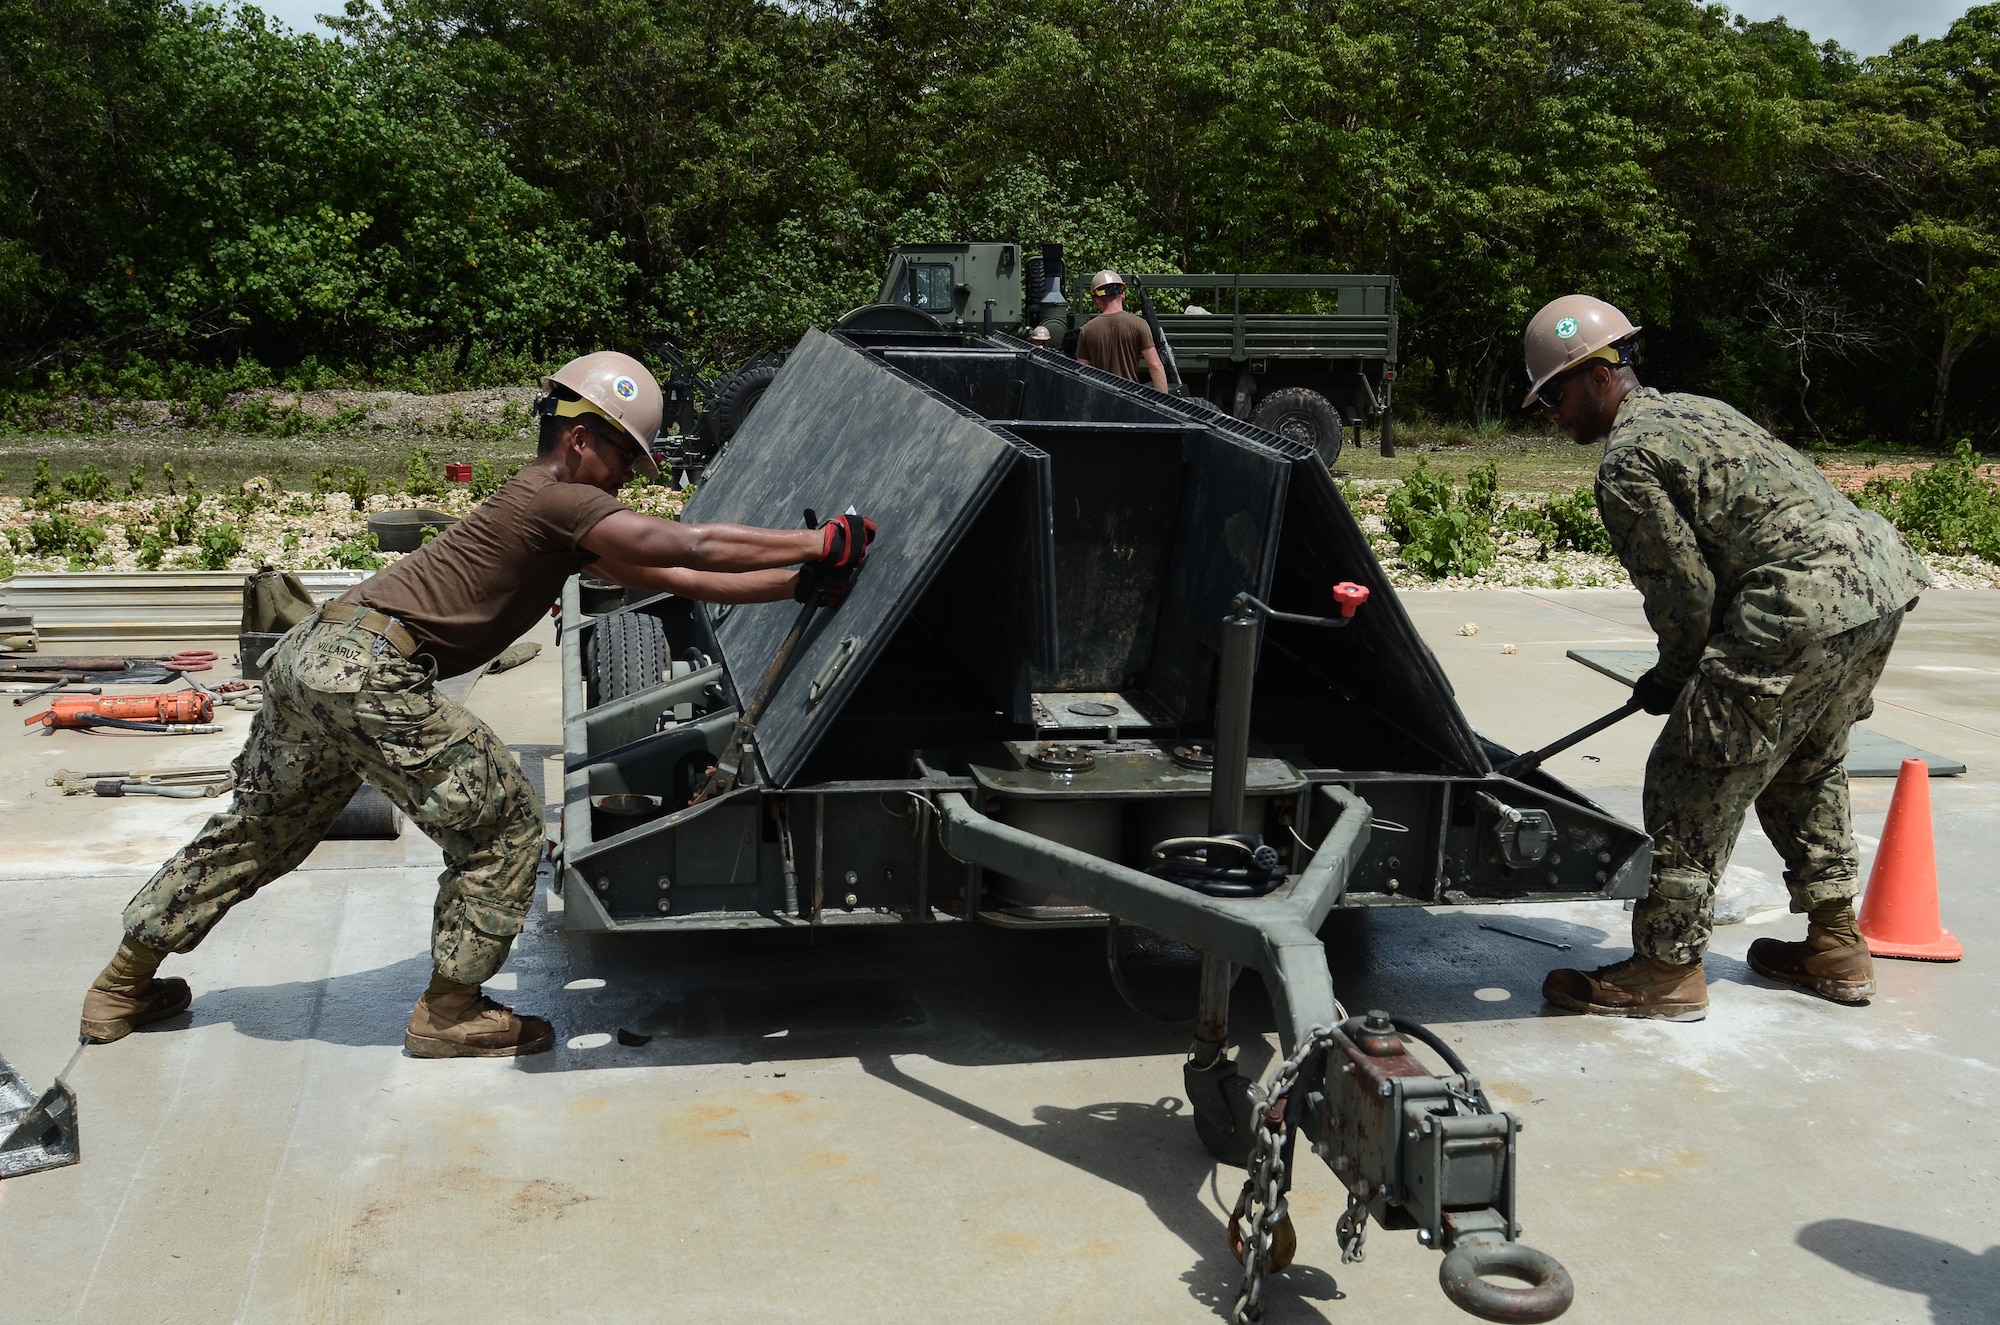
(839, 428)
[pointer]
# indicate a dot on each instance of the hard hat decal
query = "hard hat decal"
(1565, 328)
(627, 389)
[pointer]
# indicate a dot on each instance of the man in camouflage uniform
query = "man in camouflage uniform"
(349, 697)
(1776, 602)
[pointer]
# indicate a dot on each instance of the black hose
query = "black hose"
(126, 724)
(1416, 1030)
(1192, 863)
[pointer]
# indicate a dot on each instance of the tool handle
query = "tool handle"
(1533, 759)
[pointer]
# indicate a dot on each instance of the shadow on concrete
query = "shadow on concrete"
(1963, 1286)
(964, 994)
(1149, 1150)
(365, 1008)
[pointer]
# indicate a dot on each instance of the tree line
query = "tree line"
(475, 184)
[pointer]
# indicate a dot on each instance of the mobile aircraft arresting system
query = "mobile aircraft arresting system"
(1116, 658)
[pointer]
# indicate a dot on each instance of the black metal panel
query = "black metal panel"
(1116, 508)
(1379, 663)
(838, 427)
(1226, 543)
(991, 613)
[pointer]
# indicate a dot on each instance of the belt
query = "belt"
(375, 623)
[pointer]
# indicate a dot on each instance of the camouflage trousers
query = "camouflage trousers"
(1770, 733)
(341, 708)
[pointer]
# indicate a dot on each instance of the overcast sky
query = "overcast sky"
(1866, 27)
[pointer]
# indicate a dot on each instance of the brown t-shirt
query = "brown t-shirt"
(477, 587)
(1117, 343)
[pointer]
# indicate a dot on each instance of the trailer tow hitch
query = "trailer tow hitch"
(1414, 1149)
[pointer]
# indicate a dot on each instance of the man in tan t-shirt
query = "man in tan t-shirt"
(1115, 340)
(349, 697)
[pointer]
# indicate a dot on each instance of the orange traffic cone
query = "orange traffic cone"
(1899, 914)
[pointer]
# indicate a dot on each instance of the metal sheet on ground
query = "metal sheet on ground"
(1870, 754)
(839, 428)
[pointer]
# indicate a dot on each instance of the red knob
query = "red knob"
(1350, 596)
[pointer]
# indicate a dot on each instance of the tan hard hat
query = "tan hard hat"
(1566, 332)
(617, 387)
(1104, 278)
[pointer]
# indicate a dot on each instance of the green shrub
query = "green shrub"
(219, 544)
(58, 533)
(485, 480)
(1567, 521)
(362, 553)
(1438, 528)
(1482, 489)
(350, 479)
(87, 484)
(42, 491)
(421, 477)
(177, 526)
(151, 549)
(135, 481)
(1947, 507)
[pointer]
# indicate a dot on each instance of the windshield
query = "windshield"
(929, 286)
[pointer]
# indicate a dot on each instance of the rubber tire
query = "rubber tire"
(1300, 414)
(631, 654)
(367, 816)
(1231, 1150)
(729, 403)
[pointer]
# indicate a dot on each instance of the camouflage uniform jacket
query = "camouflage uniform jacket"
(1736, 541)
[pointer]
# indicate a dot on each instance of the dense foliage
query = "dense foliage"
(457, 188)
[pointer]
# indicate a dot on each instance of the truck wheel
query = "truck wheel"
(631, 654)
(730, 401)
(1299, 414)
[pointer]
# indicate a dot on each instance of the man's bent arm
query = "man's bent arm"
(1156, 368)
(641, 540)
(1659, 550)
(757, 586)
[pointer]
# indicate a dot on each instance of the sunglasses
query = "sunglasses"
(618, 441)
(1551, 395)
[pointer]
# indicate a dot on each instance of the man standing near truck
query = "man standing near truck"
(1117, 341)
(1776, 602)
(349, 697)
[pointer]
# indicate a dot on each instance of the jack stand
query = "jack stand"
(35, 1133)
(1217, 1093)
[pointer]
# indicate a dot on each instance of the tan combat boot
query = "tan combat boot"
(1828, 963)
(453, 1020)
(126, 994)
(1639, 986)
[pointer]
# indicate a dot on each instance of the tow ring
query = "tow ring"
(1549, 1292)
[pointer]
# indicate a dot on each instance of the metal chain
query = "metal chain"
(1352, 1231)
(1262, 1201)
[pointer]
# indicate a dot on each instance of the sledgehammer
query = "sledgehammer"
(1533, 759)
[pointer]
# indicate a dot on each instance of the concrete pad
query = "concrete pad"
(963, 1123)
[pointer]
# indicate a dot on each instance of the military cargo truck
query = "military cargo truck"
(1116, 657)
(1304, 356)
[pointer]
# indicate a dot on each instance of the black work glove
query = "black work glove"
(1654, 695)
(846, 544)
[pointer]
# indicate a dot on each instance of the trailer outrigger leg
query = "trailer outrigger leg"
(36, 1132)
(1415, 1149)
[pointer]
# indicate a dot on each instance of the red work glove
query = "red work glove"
(846, 544)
